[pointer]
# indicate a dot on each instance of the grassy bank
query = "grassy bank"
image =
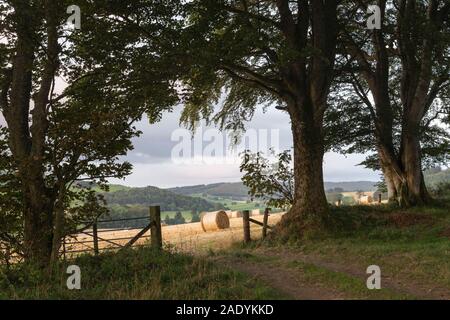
(411, 247)
(135, 274)
(412, 244)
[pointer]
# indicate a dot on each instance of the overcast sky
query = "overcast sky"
(154, 164)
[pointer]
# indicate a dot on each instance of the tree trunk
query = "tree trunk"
(415, 189)
(27, 135)
(310, 209)
(58, 228)
(37, 228)
(404, 177)
(390, 183)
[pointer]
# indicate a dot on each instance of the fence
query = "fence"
(247, 220)
(76, 246)
(98, 239)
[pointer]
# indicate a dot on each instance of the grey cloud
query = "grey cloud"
(155, 144)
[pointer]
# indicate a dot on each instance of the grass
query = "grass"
(413, 244)
(410, 245)
(343, 282)
(235, 205)
(135, 274)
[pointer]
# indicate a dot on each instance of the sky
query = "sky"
(156, 161)
(166, 155)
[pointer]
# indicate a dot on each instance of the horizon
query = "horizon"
(223, 182)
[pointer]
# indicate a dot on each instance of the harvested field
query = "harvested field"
(188, 237)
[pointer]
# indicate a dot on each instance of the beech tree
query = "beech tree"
(255, 53)
(398, 76)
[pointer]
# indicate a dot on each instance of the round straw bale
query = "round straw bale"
(212, 221)
(236, 214)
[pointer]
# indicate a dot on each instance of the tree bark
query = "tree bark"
(37, 229)
(310, 209)
(416, 192)
(27, 143)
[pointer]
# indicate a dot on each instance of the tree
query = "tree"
(55, 139)
(267, 52)
(335, 197)
(398, 73)
(271, 182)
(179, 219)
(195, 217)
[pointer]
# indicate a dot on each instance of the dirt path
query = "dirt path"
(282, 280)
(419, 290)
(271, 267)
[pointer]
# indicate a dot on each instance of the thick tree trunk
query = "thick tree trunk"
(310, 209)
(415, 189)
(404, 177)
(388, 165)
(390, 183)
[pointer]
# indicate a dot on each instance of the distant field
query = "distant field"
(235, 205)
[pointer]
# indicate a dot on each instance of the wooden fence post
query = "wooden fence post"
(265, 221)
(339, 202)
(155, 230)
(379, 198)
(64, 248)
(246, 221)
(95, 236)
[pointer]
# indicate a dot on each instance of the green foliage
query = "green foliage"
(134, 202)
(234, 190)
(334, 197)
(178, 219)
(271, 182)
(195, 217)
(134, 274)
(237, 56)
(168, 201)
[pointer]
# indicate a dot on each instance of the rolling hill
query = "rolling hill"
(237, 189)
(169, 201)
